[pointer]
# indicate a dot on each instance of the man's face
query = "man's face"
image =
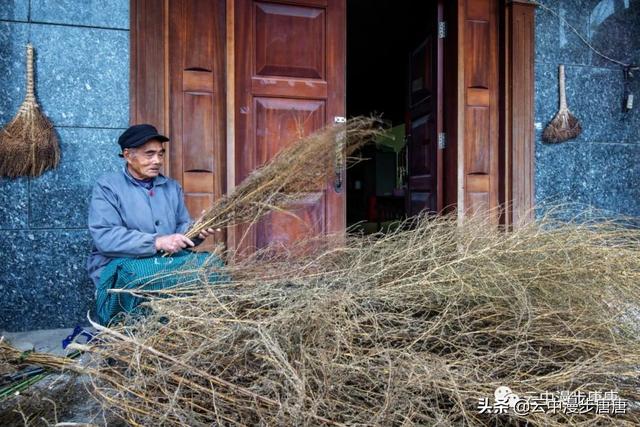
(145, 161)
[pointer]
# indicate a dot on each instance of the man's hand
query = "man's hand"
(172, 243)
(206, 233)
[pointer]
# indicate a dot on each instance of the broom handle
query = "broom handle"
(563, 95)
(30, 91)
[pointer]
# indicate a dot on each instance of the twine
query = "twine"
(30, 98)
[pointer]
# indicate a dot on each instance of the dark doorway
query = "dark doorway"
(387, 74)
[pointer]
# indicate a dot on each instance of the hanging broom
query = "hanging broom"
(28, 144)
(564, 125)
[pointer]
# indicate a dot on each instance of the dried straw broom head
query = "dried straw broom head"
(28, 144)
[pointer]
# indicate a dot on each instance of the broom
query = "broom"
(564, 125)
(28, 144)
(13, 356)
(298, 169)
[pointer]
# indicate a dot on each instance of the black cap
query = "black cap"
(138, 135)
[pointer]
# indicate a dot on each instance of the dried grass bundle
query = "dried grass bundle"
(28, 144)
(11, 357)
(296, 170)
(564, 125)
(411, 328)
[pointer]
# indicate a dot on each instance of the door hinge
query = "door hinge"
(339, 119)
(442, 141)
(442, 29)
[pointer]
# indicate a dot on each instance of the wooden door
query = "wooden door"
(178, 84)
(425, 120)
(478, 104)
(196, 59)
(518, 142)
(289, 81)
(289, 67)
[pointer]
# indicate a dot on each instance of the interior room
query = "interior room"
(382, 37)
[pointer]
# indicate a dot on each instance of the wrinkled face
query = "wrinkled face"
(145, 161)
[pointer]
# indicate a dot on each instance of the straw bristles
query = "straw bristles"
(563, 127)
(28, 144)
(299, 169)
(411, 328)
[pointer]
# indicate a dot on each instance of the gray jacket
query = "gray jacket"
(125, 218)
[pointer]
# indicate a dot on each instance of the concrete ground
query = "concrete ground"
(43, 341)
(59, 398)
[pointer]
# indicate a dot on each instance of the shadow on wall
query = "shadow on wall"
(610, 24)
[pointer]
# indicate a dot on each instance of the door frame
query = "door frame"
(517, 136)
(149, 98)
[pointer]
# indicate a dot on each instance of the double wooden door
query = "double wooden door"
(453, 112)
(233, 82)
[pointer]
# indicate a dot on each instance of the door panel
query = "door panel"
(476, 45)
(197, 202)
(279, 121)
(178, 69)
(422, 72)
(290, 41)
(305, 218)
(478, 149)
(198, 118)
(425, 121)
(421, 158)
(201, 20)
(287, 86)
(196, 59)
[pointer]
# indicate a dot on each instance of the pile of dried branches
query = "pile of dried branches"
(11, 357)
(411, 328)
(300, 168)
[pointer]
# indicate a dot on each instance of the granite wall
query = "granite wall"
(82, 65)
(601, 168)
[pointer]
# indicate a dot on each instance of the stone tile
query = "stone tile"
(546, 92)
(83, 75)
(600, 168)
(556, 43)
(13, 192)
(595, 96)
(60, 197)
(615, 177)
(14, 203)
(562, 178)
(13, 41)
(44, 284)
(17, 10)
(93, 13)
(614, 29)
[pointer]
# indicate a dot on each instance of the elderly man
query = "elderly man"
(136, 212)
